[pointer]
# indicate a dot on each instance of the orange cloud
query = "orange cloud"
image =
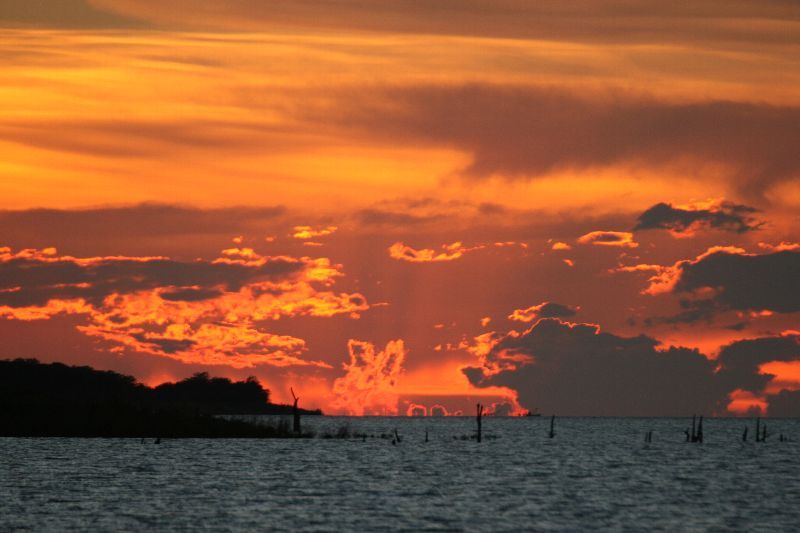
(622, 239)
(443, 384)
(781, 247)
(310, 232)
(415, 409)
(450, 252)
(786, 375)
(369, 386)
(208, 312)
(743, 402)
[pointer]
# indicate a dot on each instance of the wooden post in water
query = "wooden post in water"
(694, 429)
(552, 427)
(744, 435)
(758, 429)
(700, 430)
(296, 413)
(479, 409)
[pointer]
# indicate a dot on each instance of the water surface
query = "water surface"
(597, 473)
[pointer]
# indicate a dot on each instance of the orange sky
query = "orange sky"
(421, 167)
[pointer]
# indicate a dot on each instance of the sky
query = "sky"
(581, 208)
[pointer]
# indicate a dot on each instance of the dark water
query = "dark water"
(595, 474)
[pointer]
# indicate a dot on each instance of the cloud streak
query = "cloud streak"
(529, 132)
(582, 21)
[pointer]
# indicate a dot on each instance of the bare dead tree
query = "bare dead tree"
(295, 412)
(479, 409)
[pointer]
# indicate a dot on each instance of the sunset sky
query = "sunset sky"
(395, 207)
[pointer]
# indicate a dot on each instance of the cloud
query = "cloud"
(785, 404)
(622, 239)
(144, 221)
(543, 310)
(450, 252)
(686, 220)
(574, 369)
(34, 277)
(782, 246)
(739, 362)
(369, 386)
(208, 312)
(61, 14)
(582, 21)
(529, 132)
(310, 232)
(726, 278)
(393, 218)
(166, 137)
(737, 280)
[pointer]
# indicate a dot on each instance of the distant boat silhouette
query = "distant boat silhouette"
(535, 412)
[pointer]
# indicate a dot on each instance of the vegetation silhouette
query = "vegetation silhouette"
(56, 400)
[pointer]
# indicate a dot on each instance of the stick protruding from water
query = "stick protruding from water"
(479, 410)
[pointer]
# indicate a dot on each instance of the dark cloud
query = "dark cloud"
(739, 361)
(169, 346)
(745, 282)
(618, 21)
(61, 14)
(527, 132)
(37, 279)
(44, 227)
(384, 217)
(784, 404)
(189, 294)
(147, 139)
(691, 311)
(726, 216)
(575, 370)
(489, 208)
(553, 310)
(543, 310)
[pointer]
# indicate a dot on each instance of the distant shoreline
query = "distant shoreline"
(56, 400)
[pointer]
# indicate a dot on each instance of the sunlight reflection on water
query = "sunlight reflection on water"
(597, 473)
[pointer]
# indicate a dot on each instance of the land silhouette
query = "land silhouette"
(56, 400)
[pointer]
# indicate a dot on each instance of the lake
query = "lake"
(596, 473)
